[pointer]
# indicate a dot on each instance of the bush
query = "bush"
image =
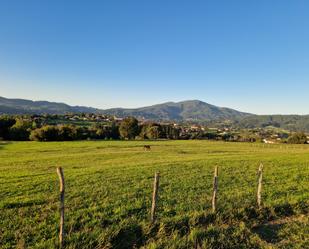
(20, 131)
(46, 133)
(129, 128)
(297, 138)
(5, 124)
(67, 133)
(59, 133)
(104, 131)
(151, 131)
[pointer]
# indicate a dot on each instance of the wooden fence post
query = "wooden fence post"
(155, 197)
(62, 188)
(215, 190)
(259, 187)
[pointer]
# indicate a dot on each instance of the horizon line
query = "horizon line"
(143, 106)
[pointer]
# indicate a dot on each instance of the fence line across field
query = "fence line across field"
(155, 197)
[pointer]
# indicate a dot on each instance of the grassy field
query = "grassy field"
(109, 187)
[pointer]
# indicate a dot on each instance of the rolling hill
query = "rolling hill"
(23, 106)
(191, 110)
(185, 110)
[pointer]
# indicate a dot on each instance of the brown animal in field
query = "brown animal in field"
(147, 147)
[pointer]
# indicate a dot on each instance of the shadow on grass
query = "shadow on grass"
(283, 214)
(12, 205)
(268, 232)
(128, 237)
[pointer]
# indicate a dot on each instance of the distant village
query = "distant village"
(180, 130)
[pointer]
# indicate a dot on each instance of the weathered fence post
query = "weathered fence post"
(61, 232)
(155, 197)
(259, 187)
(215, 190)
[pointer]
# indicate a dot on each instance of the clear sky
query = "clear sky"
(251, 55)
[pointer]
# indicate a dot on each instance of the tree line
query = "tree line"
(20, 129)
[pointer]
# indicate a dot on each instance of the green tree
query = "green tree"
(297, 138)
(46, 133)
(20, 131)
(6, 123)
(67, 132)
(153, 132)
(104, 131)
(128, 128)
(169, 132)
(143, 133)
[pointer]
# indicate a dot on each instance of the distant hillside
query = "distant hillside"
(191, 110)
(22, 106)
(286, 122)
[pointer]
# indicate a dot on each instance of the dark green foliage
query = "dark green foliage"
(155, 131)
(96, 126)
(297, 138)
(170, 132)
(58, 133)
(67, 133)
(6, 123)
(151, 131)
(128, 128)
(20, 131)
(104, 131)
(46, 133)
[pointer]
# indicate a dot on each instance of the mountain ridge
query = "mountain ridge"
(194, 111)
(24, 106)
(183, 110)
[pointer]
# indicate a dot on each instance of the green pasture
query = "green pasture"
(109, 188)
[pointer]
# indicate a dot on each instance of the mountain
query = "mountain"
(22, 106)
(193, 110)
(286, 122)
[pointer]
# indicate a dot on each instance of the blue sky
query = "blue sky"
(249, 55)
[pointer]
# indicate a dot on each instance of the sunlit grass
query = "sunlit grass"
(109, 185)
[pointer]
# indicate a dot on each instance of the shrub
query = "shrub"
(20, 131)
(67, 133)
(5, 124)
(297, 138)
(129, 128)
(46, 133)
